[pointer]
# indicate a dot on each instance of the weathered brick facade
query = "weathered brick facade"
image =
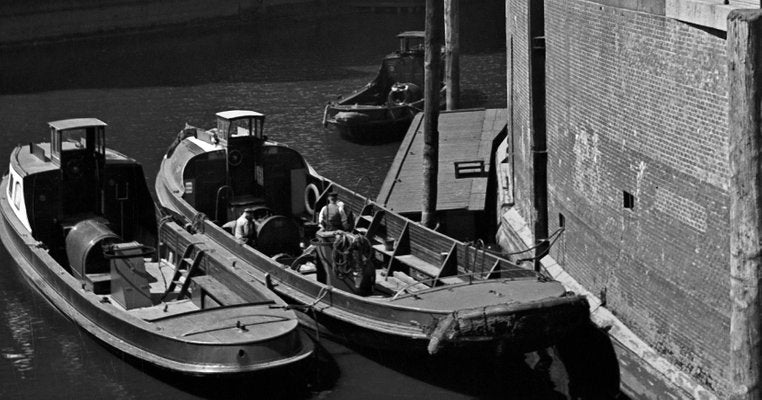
(636, 103)
(518, 74)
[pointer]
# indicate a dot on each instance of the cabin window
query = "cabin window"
(100, 140)
(55, 145)
(222, 128)
(77, 137)
(240, 127)
(17, 195)
(628, 200)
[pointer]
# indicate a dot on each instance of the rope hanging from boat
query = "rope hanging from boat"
(345, 244)
(310, 308)
(552, 238)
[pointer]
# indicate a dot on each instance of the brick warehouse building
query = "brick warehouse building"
(628, 102)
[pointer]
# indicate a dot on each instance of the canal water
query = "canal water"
(146, 87)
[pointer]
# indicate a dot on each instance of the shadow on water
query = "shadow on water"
(581, 367)
(299, 381)
(507, 376)
(590, 358)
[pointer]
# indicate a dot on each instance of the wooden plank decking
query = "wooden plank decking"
(464, 135)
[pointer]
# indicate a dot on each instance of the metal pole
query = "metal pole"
(744, 41)
(432, 82)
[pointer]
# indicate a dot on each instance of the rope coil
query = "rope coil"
(343, 246)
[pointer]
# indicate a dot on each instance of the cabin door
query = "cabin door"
(203, 180)
(80, 183)
(279, 182)
(241, 156)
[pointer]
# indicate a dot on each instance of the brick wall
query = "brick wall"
(519, 102)
(637, 102)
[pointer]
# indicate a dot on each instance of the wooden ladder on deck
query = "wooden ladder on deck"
(184, 270)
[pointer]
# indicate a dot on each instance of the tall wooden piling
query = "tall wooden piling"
(744, 41)
(452, 53)
(431, 86)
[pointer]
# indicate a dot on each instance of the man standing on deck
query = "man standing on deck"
(333, 217)
(245, 231)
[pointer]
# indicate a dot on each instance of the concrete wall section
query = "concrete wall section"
(637, 103)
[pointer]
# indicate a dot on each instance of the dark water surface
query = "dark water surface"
(146, 87)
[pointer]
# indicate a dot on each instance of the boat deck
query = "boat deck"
(162, 273)
(481, 294)
(465, 144)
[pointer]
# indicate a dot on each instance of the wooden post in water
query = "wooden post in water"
(452, 58)
(744, 41)
(431, 85)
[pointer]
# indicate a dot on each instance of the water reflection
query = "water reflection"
(20, 350)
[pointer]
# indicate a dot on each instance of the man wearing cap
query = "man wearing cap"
(245, 231)
(333, 217)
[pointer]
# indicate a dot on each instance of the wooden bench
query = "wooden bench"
(221, 295)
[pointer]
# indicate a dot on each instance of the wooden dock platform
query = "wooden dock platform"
(466, 139)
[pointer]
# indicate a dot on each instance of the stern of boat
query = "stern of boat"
(522, 328)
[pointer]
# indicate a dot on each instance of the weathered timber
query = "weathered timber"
(452, 59)
(431, 67)
(464, 135)
(745, 77)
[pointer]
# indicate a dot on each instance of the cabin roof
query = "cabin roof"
(74, 123)
(233, 114)
(464, 135)
(415, 34)
(25, 162)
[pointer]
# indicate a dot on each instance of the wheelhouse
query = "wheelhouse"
(74, 180)
(234, 166)
(78, 149)
(411, 41)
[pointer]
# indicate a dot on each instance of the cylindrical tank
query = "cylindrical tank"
(84, 247)
(277, 234)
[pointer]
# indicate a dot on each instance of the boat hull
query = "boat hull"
(370, 124)
(401, 323)
(149, 342)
